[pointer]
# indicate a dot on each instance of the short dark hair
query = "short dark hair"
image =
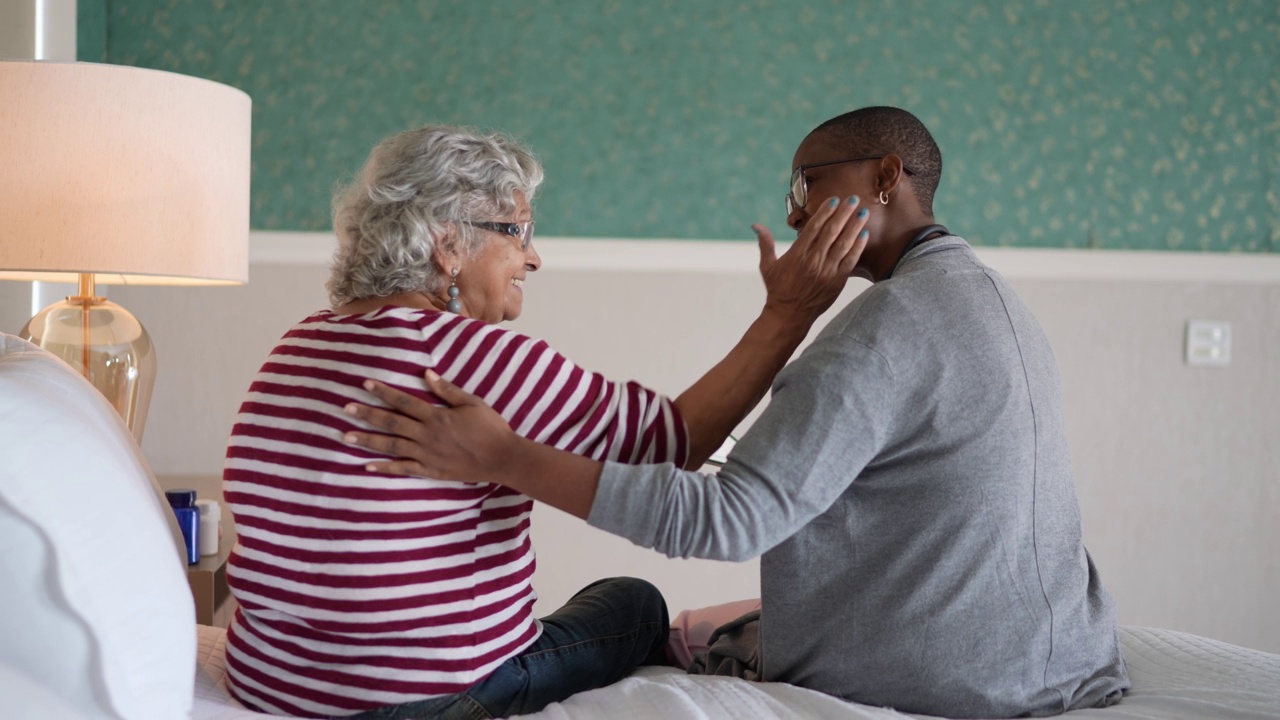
(890, 129)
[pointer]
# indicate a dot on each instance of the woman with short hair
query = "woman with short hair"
(412, 597)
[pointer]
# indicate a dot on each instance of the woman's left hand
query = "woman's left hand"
(464, 441)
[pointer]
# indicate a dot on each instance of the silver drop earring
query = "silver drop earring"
(454, 305)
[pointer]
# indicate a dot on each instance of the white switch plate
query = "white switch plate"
(1208, 343)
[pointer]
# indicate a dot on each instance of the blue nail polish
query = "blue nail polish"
(863, 235)
(833, 202)
(853, 199)
(863, 213)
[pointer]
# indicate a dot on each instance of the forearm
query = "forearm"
(797, 459)
(674, 511)
(714, 405)
(555, 477)
(732, 516)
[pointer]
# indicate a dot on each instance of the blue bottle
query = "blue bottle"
(183, 503)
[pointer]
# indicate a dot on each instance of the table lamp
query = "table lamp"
(118, 175)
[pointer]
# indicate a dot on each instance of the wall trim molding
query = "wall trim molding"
(729, 257)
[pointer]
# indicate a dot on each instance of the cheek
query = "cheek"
(842, 186)
(493, 273)
(506, 270)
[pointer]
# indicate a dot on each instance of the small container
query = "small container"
(181, 498)
(183, 503)
(210, 526)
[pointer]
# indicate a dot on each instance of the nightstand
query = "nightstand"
(208, 578)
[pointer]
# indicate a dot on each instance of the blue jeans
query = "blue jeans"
(608, 629)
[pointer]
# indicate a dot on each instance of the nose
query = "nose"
(797, 219)
(532, 260)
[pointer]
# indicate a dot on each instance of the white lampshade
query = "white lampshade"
(114, 174)
(139, 176)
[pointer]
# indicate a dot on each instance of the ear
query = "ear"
(891, 173)
(446, 254)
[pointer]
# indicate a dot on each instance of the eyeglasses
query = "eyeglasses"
(798, 197)
(521, 230)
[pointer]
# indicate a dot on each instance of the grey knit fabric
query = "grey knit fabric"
(910, 489)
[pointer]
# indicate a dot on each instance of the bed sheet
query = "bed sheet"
(1175, 676)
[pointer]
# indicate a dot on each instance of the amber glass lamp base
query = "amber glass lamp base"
(107, 344)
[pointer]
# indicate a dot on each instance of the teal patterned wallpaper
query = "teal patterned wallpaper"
(1146, 124)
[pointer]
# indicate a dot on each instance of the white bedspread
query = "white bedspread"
(1174, 675)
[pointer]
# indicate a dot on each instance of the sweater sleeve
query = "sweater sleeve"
(829, 415)
(546, 398)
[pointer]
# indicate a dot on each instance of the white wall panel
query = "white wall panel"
(1177, 467)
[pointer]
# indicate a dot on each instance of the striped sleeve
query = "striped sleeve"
(547, 398)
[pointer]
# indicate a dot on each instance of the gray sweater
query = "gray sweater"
(910, 489)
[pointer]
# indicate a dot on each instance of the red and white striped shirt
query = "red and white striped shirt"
(358, 590)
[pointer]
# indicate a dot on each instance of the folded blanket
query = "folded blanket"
(733, 650)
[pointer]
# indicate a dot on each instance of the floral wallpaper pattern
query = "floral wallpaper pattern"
(1141, 124)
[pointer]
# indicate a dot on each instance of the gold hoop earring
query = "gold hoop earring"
(884, 198)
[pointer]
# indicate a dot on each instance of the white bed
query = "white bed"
(84, 527)
(1174, 675)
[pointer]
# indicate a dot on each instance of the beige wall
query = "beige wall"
(1177, 467)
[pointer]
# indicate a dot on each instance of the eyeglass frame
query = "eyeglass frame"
(521, 230)
(798, 175)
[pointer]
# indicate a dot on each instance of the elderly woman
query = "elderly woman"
(369, 592)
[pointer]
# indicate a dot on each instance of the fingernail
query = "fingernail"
(349, 437)
(368, 384)
(833, 202)
(863, 213)
(432, 374)
(863, 235)
(369, 468)
(853, 199)
(350, 409)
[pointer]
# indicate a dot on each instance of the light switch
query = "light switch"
(1208, 343)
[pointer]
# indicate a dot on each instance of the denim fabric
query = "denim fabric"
(604, 632)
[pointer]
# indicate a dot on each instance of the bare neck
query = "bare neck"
(896, 240)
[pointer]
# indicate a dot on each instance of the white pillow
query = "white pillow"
(24, 698)
(96, 606)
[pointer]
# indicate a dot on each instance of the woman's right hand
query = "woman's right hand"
(810, 275)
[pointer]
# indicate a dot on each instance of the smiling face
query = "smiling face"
(490, 282)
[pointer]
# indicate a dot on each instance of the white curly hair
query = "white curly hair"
(416, 190)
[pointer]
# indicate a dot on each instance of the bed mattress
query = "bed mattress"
(1174, 675)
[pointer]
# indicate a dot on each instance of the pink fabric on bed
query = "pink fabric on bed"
(691, 629)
